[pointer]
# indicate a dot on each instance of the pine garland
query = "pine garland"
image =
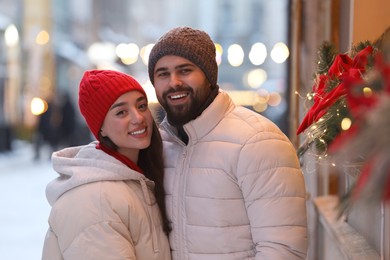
(326, 54)
(353, 86)
(330, 70)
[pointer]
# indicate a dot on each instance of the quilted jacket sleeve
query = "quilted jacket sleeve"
(51, 249)
(274, 192)
(101, 241)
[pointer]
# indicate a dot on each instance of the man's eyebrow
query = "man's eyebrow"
(161, 69)
(184, 65)
(180, 66)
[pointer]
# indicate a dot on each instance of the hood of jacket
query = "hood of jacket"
(80, 165)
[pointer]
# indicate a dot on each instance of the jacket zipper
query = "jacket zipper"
(180, 209)
(179, 233)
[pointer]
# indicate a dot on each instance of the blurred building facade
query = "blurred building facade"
(9, 74)
(59, 40)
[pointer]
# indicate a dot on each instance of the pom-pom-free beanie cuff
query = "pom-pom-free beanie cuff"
(191, 44)
(98, 91)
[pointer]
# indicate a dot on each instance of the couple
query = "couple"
(231, 180)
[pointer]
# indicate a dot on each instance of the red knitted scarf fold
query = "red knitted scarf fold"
(120, 157)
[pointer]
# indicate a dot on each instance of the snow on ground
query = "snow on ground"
(24, 209)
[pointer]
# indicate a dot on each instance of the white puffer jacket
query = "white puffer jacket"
(236, 190)
(101, 209)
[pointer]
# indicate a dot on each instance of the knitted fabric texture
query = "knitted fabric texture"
(99, 89)
(191, 44)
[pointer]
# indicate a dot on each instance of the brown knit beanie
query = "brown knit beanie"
(98, 91)
(191, 44)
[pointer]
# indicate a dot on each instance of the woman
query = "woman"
(106, 203)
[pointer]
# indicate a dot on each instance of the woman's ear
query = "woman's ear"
(102, 133)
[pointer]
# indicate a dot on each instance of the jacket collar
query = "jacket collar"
(129, 163)
(211, 116)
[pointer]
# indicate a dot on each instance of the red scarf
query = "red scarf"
(120, 157)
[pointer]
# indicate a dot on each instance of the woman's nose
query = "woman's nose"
(136, 117)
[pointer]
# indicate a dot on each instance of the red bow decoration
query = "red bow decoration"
(343, 66)
(360, 106)
(359, 103)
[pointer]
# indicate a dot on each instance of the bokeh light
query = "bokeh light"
(38, 106)
(258, 53)
(235, 55)
(280, 52)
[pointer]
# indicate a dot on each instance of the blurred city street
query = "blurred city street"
(24, 209)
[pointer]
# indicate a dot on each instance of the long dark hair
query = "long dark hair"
(150, 160)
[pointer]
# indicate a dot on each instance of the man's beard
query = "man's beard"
(182, 114)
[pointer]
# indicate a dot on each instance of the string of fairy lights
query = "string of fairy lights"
(320, 133)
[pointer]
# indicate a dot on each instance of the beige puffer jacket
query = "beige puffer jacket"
(236, 191)
(101, 209)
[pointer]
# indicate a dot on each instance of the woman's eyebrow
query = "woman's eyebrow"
(117, 105)
(141, 98)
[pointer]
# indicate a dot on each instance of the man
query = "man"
(233, 181)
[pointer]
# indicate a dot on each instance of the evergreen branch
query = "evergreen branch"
(326, 54)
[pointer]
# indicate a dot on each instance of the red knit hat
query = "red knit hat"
(98, 91)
